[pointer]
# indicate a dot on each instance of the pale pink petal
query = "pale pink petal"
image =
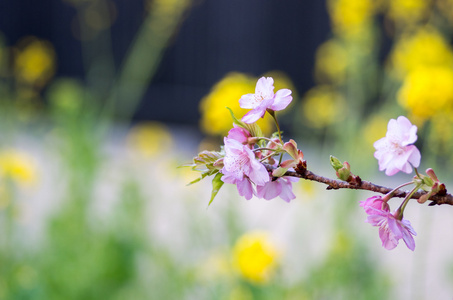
(380, 143)
(409, 240)
(388, 240)
(228, 178)
(292, 179)
(394, 226)
(374, 220)
(407, 225)
(265, 87)
(407, 133)
(415, 156)
(253, 116)
(258, 173)
(270, 190)
(412, 138)
(406, 168)
(245, 188)
(392, 129)
(257, 112)
(390, 171)
(375, 205)
(247, 101)
(239, 134)
(281, 99)
(287, 190)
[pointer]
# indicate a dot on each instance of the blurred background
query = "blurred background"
(102, 100)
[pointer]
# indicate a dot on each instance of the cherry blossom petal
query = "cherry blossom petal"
(247, 101)
(239, 134)
(245, 188)
(258, 173)
(257, 112)
(281, 99)
(287, 190)
(270, 190)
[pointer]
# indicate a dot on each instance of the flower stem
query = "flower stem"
(398, 187)
(264, 148)
(272, 113)
(416, 172)
(400, 210)
(266, 157)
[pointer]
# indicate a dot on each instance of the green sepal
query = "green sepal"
(276, 135)
(206, 159)
(216, 185)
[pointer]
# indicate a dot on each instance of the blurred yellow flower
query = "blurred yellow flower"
(255, 256)
(427, 91)
(427, 47)
(17, 167)
(331, 62)
(349, 17)
(407, 10)
(323, 106)
(150, 139)
(215, 118)
(35, 61)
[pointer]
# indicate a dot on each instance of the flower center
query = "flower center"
(257, 99)
(236, 164)
(397, 148)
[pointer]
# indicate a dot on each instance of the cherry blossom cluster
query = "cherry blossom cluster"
(256, 165)
(247, 158)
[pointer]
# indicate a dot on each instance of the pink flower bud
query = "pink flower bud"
(431, 174)
(291, 148)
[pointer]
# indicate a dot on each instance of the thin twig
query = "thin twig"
(334, 184)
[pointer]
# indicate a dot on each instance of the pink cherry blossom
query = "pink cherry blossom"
(239, 134)
(394, 152)
(280, 187)
(239, 162)
(374, 204)
(391, 229)
(263, 99)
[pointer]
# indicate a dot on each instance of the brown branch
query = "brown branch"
(333, 184)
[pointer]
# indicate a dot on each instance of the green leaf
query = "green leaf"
(216, 185)
(235, 120)
(203, 175)
(196, 180)
(185, 166)
(253, 128)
